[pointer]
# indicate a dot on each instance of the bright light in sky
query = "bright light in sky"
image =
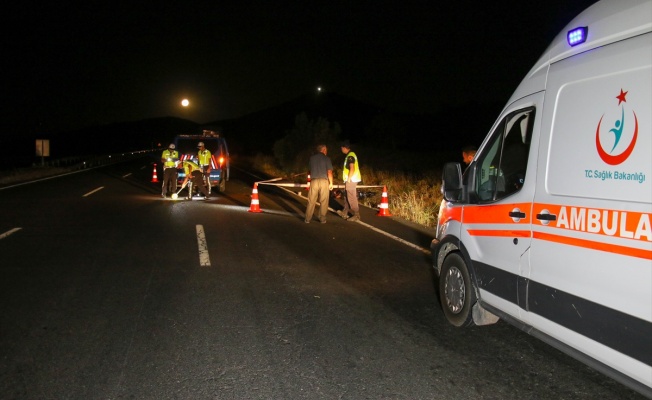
(185, 102)
(318, 88)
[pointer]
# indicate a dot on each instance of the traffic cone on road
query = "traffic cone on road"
(384, 205)
(255, 204)
(154, 177)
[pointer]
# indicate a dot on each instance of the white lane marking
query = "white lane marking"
(93, 191)
(9, 232)
(124, 176)
(389, 235)
(204, 259)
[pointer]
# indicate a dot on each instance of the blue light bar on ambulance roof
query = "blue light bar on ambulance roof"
(577, 35)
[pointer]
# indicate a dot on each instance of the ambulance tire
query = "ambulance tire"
(222, 186)
(456, 292)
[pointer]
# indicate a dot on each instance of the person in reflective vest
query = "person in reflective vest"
(351, 176)
(194, 174)
(204, 156)
(169, 159)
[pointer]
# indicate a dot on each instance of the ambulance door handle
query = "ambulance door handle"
(547, 217)
(516, 214)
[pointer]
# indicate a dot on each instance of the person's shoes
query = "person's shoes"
(206, 197)
(322, 220)
(306, 221)
(354, 218)
(164, 196)
(342, 214)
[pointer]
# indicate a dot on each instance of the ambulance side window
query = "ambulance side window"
(503, 162)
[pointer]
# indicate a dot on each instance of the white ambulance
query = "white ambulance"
(549, 228)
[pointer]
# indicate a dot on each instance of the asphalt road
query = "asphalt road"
(108, 291)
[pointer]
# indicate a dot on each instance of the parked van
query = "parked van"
(550, 226)
(220, 160)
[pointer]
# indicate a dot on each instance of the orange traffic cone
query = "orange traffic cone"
(154, 177)
(384, 205)
(255, 204)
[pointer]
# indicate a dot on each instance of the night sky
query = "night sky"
(70, 65)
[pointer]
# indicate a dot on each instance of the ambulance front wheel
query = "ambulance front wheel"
(456, 291)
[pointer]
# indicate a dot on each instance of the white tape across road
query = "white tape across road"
(305, 185)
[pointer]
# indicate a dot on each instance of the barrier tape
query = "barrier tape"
(305, 185)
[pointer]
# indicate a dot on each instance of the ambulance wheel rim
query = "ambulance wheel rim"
(455, 290)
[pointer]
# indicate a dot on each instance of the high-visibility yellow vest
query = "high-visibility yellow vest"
(189, 166)
(170, 157)
(204, 157)
(357, 177)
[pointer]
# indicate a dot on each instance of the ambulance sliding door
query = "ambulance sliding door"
(591, 277)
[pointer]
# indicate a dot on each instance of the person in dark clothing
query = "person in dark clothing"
(321, 183)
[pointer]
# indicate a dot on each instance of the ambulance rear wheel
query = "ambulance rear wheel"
(222, 187)
(456, 291)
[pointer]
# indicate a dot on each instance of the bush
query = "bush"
(295, 148)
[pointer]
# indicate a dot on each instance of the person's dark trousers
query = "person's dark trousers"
(198, 181)
(169, 181)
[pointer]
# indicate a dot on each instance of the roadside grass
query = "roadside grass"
(413, 181)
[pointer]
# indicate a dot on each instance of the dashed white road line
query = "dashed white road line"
(9, 232)
(93, 191)
(204, 259)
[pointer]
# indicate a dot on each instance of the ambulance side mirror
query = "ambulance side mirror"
(451, 182)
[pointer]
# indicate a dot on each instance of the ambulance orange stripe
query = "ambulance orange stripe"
(590, 244)
(496, 214)
(609, 248)
(499, 233)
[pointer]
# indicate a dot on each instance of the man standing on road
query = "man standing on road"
(204, 156)
(169, 159)
(351, 176)
(321, 183)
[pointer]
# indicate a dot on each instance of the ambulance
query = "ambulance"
(550, 227)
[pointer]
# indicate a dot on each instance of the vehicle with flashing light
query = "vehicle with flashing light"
(549, 227)
(187, 146)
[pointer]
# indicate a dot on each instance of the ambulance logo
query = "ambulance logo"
(620, 125)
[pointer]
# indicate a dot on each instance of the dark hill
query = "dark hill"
(449, 128)
(446, 130)
(257, 132)
(98, 139)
